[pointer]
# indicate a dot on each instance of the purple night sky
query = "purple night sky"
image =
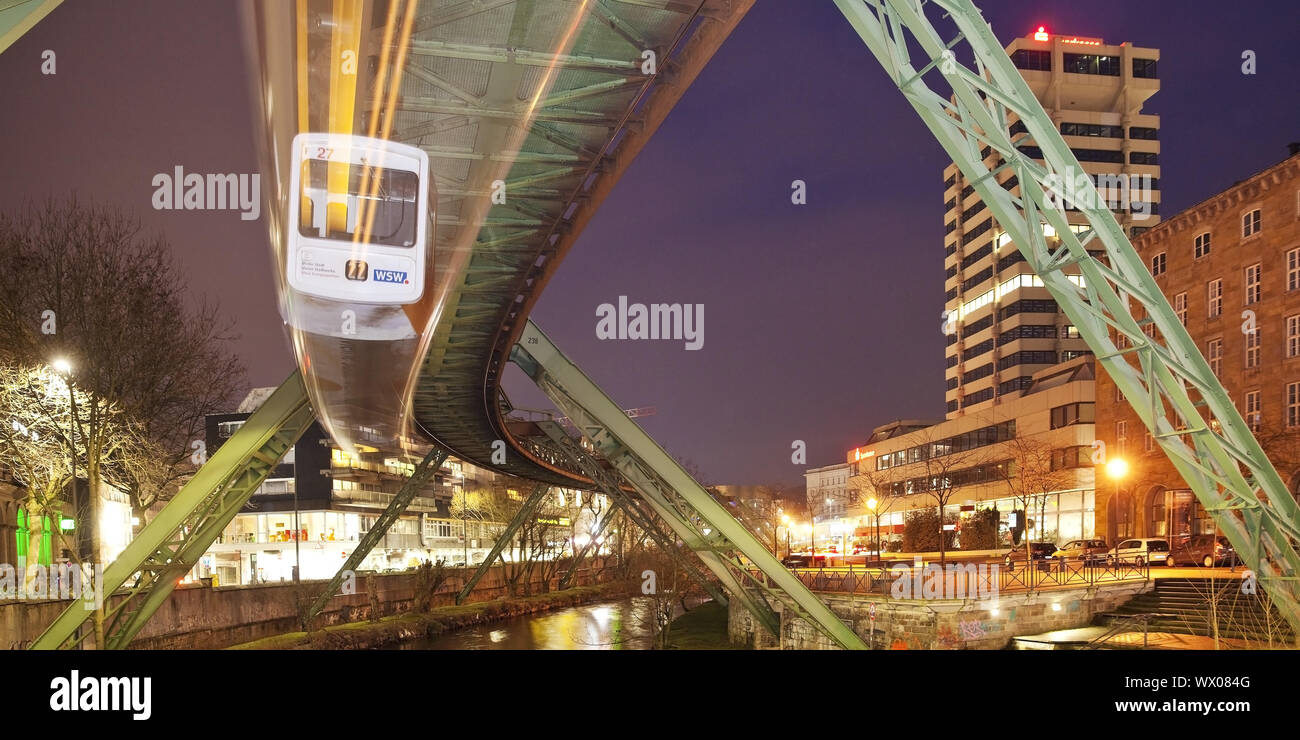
(821, 321)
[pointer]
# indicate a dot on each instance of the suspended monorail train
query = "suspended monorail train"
(358, 278)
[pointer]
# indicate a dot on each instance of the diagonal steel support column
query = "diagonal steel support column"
(505, 538)
(700, 521)
(171, 544)
(401, 500)
(1206, 438)
(610, 483)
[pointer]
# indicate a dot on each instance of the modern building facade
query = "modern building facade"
(993, 459)
(1005, 327)
(829, 497)
(1230, 267)
(337, 498)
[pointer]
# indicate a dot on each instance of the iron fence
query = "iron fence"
(965, 579)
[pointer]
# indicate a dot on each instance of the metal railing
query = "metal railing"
(965, 580)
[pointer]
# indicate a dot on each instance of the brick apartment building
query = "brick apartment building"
(1235, 252)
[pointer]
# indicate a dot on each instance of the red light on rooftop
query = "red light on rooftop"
(1040, 34)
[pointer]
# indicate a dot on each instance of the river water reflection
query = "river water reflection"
(626, 624)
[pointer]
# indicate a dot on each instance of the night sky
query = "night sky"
(821, 321)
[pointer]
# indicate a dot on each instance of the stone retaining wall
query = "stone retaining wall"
(200, 617)
(941, 624)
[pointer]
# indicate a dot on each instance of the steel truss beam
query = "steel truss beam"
(564, 449)
(696, 518)
(1216, 453)
(171, 544)
(401, 500)
(526, 511)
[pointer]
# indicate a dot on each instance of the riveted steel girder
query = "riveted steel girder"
(1206, 440)
(171, 544)
(695, 516)
(401, 500)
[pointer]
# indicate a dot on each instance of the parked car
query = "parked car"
(1201, 549)
(1140, 550)
(803, 561)
(1039, 551)
(1087, 551)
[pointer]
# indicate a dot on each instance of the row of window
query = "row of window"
(1074, 413)
(1252, 411)
(977, 350)
(971, 440)
(986, 473)
(1254, 340)
(1086, 64)
(1028, 357)
(1111, 156)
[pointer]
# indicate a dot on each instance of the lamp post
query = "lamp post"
(1116, 469)
(64, 368)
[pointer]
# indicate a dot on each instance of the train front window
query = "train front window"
(386, 198)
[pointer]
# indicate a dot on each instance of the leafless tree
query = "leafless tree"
(1029, 474)
(939, 465)
(86, 283)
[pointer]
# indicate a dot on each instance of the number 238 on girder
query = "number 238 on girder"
(359, 220)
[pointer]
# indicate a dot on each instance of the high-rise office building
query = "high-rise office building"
(1007, 326)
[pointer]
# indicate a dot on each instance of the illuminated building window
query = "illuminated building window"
(1214, 298)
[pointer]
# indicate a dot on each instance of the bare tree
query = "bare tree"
(941, 462)
(1029, 474)
(41, 441)
(85, 283)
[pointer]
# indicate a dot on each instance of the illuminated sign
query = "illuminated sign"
(1042, 35)
(562, 521)
(860, 453)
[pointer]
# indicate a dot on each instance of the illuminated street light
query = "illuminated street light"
(1117, 468)
(62, 365)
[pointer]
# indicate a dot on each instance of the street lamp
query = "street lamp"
(64, 368)
(1116, 469)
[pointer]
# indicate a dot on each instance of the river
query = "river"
(625, 624)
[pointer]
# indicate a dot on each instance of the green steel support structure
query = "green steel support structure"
(170, 545)
(695, 517)
(609, 482)
(1214, 451)
(401, 500)
(17, 17)
(527, 510)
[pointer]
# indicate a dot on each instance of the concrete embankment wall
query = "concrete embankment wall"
(939, 624)
(199, 617)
